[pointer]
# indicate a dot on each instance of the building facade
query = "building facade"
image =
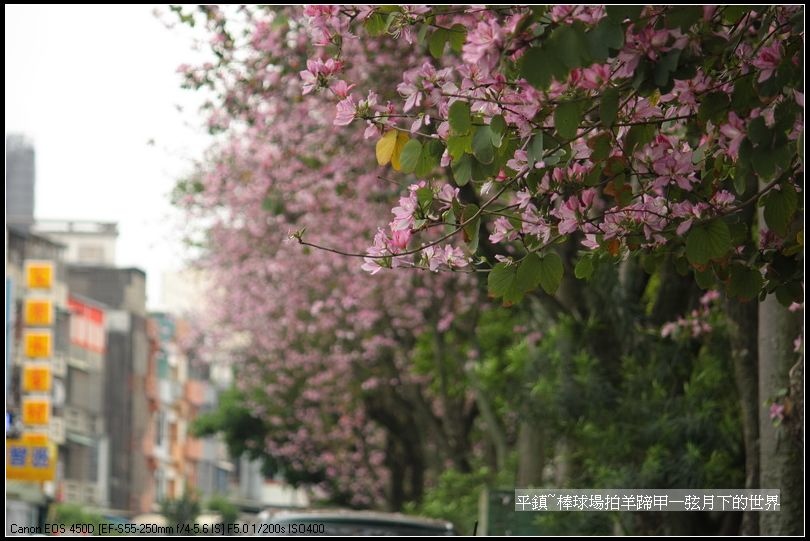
(126, 413)
(86, 242)
(20, 178)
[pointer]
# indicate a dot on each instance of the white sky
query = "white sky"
(92, 86)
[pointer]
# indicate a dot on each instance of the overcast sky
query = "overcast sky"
(96, 89)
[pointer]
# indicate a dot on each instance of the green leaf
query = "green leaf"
(609, 106)
(375, 25)
(708, 241)
(571, 46)
(714, 107)
(620, 13)
(529, 272)
(429, 158)
(584, 268)
(483, 171)
(780, 206)
(482, 144)
(667, 64)
(607, 35)
(457, 36)
(513, 281)
(743, 97)
(638, 136)
(744, 283)
(601, 145)
(535, 150)
(767, 161)
(437, 41)
(409, 158)
(539, 66)
(498, 127)
(458, 145)
(733, 13)
(683, 17)
(790, 292)
(758, 133)
(501, 279)
(472, 229)
(567, 118)
(462, 169)
(705, 279)
(551, 272)
(459, 116)
(424, 196)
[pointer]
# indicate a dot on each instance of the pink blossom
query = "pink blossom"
(400, 239)
(502, 230)
(482, 42)
(568, 213)
(534, 224)
(454, 257)
(709, 297)
(346, 110)
(777, 411)
(768, 59)
(734, 132)
(683, 227)
(341, 89)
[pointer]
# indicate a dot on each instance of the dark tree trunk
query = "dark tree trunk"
(742, 326)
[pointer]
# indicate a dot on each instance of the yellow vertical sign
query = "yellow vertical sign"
(38, 344)
(36, 411)
(30, 459)
(38, 312)
(39, 274)
(36, 378)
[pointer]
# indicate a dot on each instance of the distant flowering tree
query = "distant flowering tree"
(327, 351)
(533, 144)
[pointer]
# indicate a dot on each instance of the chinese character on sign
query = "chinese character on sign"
(18, 456)
(39, 457)
(36, 412)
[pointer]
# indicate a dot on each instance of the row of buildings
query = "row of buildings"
(125, 388)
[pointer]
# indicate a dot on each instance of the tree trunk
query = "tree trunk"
(781, 464)
(742, 321)
(531, 448)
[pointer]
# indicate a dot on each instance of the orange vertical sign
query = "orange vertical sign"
(38, 344)
(36, 411)
(38, 312)
(36, 378)
(39, 274)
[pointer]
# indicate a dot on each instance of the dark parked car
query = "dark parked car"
(351, 523)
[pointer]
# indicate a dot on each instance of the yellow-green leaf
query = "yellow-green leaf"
(389, 148)
(385, 147)
(402, 138)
